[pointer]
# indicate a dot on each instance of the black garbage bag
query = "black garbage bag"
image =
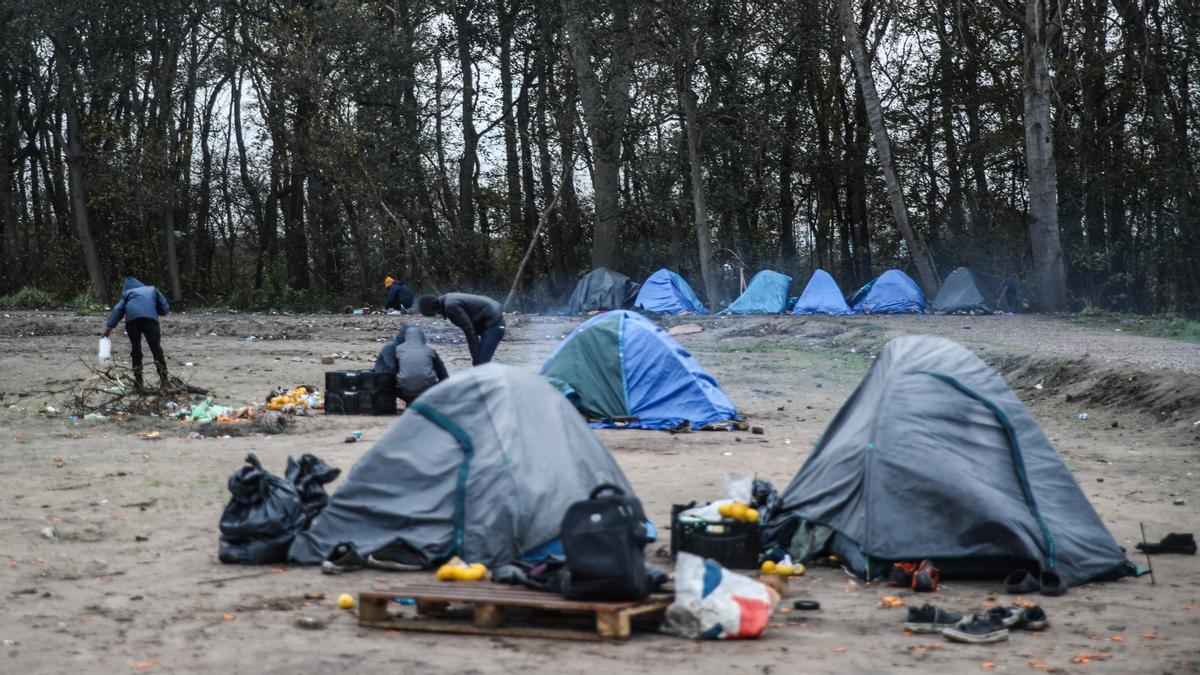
(309, 476)
(775, 527)
(262, 517)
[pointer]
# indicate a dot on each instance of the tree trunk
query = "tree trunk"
(606, 114)
(466, 164)
(687, 98)
(75, 173)
(1049, 276)
(883, 148)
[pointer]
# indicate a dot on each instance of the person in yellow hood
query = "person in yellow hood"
(399, 295)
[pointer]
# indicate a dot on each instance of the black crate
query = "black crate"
(360, 392)
(733, 543)
(343, 403)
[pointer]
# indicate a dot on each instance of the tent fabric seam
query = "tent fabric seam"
(1015, 451)
(464, 469)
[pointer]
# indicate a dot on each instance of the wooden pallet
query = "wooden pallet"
(495, 609)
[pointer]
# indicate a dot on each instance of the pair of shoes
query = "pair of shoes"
(930, 619)
(1030, 618)
(922, 577)
(978, 629)
(343, 558)
(1175, 542)
(1022, 581)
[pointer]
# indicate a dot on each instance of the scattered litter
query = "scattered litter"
(889, 601)
(1036, 386)
(309, 623)
(50, 410)
(298, 400)
(727, 454)
(195, 436)
(1178, 502)
(189, 364)
(251, 338)
(1083, 416)
(150, 435)
(757, 431)
(351, 439)
(327, 360)
(95, 417)
(48, 533)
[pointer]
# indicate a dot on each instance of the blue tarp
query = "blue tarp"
(821, 296)
(766, 294)
(657, 382)
(892, 292)
(665, 292)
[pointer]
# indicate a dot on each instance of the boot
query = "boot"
(138, 384)
(163, 382)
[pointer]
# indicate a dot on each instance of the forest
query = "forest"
(291, 153)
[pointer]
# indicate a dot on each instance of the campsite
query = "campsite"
(131, 579)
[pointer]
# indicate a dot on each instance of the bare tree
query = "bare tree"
(883, 148)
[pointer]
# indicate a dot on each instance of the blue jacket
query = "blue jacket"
(138, 301)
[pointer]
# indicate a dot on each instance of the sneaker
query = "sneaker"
(343, 558)
(902, 574)
(1033, 618)
(1175, 542)
(925, 579)
(930, 619)
(1009, 616)
(977, 630)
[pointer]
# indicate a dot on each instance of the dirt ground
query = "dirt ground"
(131, 581)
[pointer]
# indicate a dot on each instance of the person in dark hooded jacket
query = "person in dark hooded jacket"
(399, 295)
(418, 366)
(479, 317)
(140, 306)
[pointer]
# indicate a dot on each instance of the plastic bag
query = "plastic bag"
(712, 603)
(263, 516)
(104, 353)
(309, 476)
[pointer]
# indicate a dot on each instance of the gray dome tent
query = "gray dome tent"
(963, 291)
(933, 456)
(603, 288)
(483, 466)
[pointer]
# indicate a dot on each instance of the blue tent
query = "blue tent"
(821, 296)
(619, 367)
(892, 292)
(766, 294)
(665, 292)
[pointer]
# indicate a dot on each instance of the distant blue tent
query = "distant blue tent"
(619, 367)
(821, 296)
(892, 292)
(766, 294)
(665, 292)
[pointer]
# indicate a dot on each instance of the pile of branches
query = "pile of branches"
(111, 390)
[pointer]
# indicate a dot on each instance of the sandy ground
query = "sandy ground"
(132, 582)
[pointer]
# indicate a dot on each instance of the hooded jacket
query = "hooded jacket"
(385, 362)
(399, 296)
(418, 367)
(138, 301)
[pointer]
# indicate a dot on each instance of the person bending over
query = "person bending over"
(141, 305)
(479, 318)
(418, 366)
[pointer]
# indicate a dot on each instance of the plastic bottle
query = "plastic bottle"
(105, 350)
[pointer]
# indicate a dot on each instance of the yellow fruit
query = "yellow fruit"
(475, 572)
(768, 567)
(345, 601)
(479, 567)
(797, 570)
(751, 516)
(724, 510)
(446, 573)
(785, 570)
(738, 511)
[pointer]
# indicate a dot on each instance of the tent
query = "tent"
(821, 296)
(766, 294)
(892, 292)
(933, 456)
(602, 288)
(964, 292)
(620, 367)
(665, 292)
(482, 466)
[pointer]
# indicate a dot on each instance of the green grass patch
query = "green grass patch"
(29, 298)
(1168, 326)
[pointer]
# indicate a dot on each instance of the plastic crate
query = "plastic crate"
(732, 543)
(343, 403)
(360, 392)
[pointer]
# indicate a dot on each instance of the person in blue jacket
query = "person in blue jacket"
(399, 295)
(141, 305)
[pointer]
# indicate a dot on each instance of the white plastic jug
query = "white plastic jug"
(105, 353)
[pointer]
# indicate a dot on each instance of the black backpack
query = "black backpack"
(603, 538)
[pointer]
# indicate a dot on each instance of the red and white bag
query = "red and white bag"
(712, 603)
